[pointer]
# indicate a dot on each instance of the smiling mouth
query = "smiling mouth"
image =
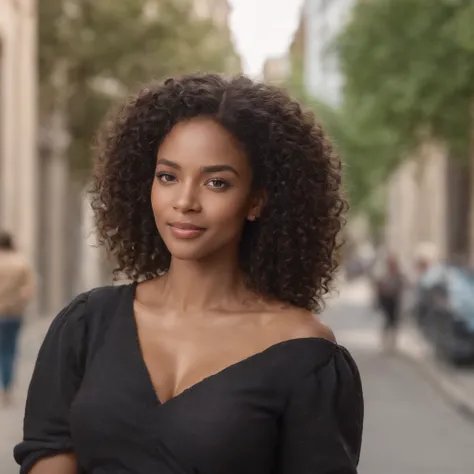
(184, 230)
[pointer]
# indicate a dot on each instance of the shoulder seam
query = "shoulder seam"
(313, 370)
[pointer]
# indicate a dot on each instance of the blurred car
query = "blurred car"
(445, 312)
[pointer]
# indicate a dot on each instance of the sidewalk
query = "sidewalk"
(455, 384)
(11, 418)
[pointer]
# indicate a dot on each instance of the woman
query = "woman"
(16, 291)
(221, 200)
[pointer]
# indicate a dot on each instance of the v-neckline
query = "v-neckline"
(138, 352)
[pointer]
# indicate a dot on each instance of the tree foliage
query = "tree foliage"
(107, 47)
(409, 69)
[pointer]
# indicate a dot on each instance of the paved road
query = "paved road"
(409, 428)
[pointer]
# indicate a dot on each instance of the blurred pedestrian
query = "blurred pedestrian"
(220, 198)
(390, 285)
(16, 291)
(425, 256)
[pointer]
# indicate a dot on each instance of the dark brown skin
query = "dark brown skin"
(62, 464)
(200, 317)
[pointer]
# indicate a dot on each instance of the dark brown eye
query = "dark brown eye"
(165, 177)
(218, 184)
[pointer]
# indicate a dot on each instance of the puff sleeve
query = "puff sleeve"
(56, 379)
(321, 428)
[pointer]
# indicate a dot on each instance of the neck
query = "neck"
(202, 285)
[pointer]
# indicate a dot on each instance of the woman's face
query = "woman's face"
(202, 191)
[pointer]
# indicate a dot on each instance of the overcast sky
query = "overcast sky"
(263, 28)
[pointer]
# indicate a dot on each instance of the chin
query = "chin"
(187, 256)
(196, 250)
(188, 251)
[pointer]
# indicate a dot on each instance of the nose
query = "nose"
(187, 198)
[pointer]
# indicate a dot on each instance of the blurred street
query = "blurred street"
(409, 427)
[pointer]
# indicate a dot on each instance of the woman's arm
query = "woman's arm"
(322, 425)
(60, 464)
(47, 446)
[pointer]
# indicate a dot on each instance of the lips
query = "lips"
(185, 230)
(185, 226)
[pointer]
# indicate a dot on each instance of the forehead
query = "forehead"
(202, 142)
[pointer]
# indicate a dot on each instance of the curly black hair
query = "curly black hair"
(289, 253)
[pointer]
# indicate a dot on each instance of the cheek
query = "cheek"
(233, 209)
(158, 199)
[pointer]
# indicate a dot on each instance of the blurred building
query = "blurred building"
(428, 202)
(219, 11)
(36, 194)
(323, 21)
(216, 10)
(416, 210)
(297, 46)
(276, 70)
(18, 121)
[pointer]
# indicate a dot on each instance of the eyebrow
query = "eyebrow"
(171, 164)
(205, 169)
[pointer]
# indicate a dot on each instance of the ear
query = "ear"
(257, 203)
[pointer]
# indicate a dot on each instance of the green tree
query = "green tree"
(92, 52)
(409, 69)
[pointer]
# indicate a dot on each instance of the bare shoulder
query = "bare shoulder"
(300, 323)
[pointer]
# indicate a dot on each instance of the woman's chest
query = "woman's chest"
(231, 416)
(179, 355)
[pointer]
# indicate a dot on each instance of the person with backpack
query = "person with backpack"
(16, 291)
